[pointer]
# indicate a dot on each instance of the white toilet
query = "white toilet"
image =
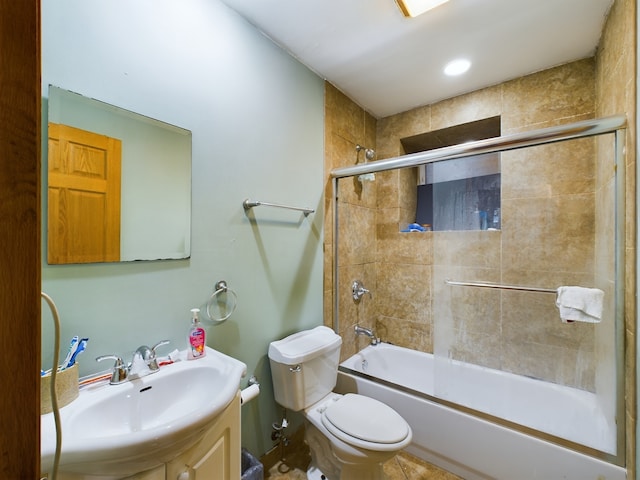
(350, 436)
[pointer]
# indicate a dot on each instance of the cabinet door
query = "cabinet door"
(157, 473)
(217, 455)
(215, 463)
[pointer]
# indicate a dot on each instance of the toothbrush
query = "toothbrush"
(80, 346)
(72, 347)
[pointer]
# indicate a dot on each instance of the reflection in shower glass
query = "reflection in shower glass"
(461, 194)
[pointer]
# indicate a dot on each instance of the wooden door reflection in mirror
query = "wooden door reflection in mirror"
(83, 196)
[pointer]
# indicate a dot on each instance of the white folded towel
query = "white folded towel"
(580, 304)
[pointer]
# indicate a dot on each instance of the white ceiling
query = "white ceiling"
(389, 64)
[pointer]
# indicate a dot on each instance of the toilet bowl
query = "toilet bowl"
(350, 436)
(353, 436)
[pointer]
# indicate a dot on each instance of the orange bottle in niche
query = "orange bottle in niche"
(197, 337)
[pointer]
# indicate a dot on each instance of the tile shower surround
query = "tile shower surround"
(404, 271)
(513, 331)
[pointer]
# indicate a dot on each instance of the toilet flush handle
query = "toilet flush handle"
(295, 369)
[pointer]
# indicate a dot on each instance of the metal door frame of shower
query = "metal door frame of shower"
(615, 124)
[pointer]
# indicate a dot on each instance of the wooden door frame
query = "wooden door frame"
(20, 238)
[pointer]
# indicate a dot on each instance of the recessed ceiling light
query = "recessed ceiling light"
(413, 8)
(457, 67)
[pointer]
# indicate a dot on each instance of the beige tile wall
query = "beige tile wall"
(347, 125)
(406, 272)
(515, 331)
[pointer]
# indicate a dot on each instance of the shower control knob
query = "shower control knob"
(358, 290)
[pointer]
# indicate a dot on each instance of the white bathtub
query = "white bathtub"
(475, 447)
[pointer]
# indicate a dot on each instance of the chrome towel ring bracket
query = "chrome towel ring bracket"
(222, 303)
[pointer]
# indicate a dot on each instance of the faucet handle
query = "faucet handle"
(159, 344)
(358, 290)
(152, 361)
(120, 371)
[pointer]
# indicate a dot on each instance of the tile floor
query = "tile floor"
(402, 467)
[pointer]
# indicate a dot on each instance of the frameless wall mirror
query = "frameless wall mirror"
(118, 184)
(463, 193)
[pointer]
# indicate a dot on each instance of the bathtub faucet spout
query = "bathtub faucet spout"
(367, 332)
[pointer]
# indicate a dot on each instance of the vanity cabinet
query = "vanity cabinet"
(215, 456)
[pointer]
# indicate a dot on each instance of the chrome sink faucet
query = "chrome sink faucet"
(144, 362)
(368, 333)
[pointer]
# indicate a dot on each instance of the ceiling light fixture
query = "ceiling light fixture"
(457, 67)
(413, 8)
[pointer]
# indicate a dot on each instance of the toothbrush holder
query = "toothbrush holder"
(66, 389)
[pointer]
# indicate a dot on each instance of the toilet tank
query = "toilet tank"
(304, 367)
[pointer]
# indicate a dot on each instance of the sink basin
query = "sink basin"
(124, 429)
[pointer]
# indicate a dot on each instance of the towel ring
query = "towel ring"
(215, 302)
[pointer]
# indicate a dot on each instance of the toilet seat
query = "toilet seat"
(366, 423)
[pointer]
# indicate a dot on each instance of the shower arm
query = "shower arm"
(369, 153)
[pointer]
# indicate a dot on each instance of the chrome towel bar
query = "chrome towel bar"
(501, 287)
(247, 204)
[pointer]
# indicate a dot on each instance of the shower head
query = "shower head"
(369, 153)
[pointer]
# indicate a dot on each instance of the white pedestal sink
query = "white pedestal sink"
(124, 429)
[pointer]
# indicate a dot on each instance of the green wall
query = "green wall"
(257, 120)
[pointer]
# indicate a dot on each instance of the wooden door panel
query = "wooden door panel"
(84, 196)
(87, 160)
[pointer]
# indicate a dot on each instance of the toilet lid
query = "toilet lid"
(366, 419)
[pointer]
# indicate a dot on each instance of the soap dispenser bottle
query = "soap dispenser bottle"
(197, 337)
